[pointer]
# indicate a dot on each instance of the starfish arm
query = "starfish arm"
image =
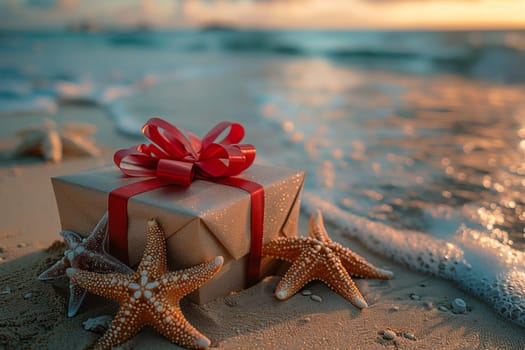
(31, 141)
(111, 285)
(57, 270)
(72, 238)
(126, 323)
(357, 266)
(154, 257)
(337, 278)
(174, 326)
(95, 241)
(317, 229)
(287, 249)
(182, 282)
(100, 262)
(77, 144)
(76, 296)
(300, 273)
(52, 146)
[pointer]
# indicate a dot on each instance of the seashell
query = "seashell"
(389, 334)
(459, 306)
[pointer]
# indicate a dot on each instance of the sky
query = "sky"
(330, 14)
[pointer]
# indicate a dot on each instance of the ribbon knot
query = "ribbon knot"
(178, 156)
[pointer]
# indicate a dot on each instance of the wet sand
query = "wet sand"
(414, 306)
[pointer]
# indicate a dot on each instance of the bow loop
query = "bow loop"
(178, 156)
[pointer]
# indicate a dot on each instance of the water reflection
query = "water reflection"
(425, 153)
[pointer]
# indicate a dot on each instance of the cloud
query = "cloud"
(339, 14)
(58, 13)
(52, 4)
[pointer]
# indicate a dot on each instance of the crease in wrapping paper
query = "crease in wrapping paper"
(204, 218)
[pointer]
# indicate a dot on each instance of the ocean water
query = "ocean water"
(413, 142)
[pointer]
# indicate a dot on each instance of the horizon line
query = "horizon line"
(146, 27)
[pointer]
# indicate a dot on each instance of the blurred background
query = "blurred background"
(411, 113)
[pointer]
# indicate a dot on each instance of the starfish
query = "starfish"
(85, 253)
(151, 295)
(51, 142)
(317, 257)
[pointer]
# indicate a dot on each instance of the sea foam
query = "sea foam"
(477, 263)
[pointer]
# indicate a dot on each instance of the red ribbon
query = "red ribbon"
(177, 156)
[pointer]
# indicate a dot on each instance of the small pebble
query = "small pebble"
(305, 320)
(97, 324)
(230, 302)
(306, 292)
(316, 298)
(28, 295)
(414, 296)
(389, 334)
(459, 306)
(443, 308)
(393, 309)
(410, 336)
(428, 305)
(6, 290)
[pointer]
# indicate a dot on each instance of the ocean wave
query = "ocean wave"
(259, 42)
(402, 165)
(487, 56)
(480, 265)
(146, 40)
(27, 105)
(26, 93)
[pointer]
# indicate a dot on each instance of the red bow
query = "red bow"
(178, 156)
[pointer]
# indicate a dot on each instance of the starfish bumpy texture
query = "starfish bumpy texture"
(87, 254)
(51, 142)
(317, 257)
(151, 295)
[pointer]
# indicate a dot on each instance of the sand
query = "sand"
(415, 307)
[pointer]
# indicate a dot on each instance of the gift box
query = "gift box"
(201, 221)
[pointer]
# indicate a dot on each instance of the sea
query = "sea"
(413, 141)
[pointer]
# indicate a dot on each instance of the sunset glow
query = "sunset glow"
(334, 14)
(341, 14)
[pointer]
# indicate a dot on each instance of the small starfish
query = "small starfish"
(151, 295)
(51, 142)
(317, 257)
(84, 253)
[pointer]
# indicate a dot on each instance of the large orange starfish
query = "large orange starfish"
(317, 257)
(151, 295)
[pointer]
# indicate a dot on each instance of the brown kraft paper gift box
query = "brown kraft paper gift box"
(201, 221)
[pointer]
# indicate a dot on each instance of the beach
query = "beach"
(34, 312)
(415, 160)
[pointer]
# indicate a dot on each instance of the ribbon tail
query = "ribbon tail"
(118, 215)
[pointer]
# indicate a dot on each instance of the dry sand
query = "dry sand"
(33, 314)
